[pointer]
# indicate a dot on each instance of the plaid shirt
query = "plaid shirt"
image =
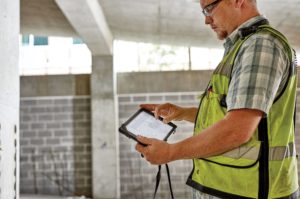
(260, 70)
(259, 74)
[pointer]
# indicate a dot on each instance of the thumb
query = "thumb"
(144, 140)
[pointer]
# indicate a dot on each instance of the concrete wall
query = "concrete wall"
(137, 176)
(55, 85)
(9, 99)
(158, 82)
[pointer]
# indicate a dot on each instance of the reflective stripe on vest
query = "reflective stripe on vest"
(275, 153)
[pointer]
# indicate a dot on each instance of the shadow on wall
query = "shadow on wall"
(55, 146)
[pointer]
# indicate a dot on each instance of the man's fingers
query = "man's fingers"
(149, 107)
(167, 111)
(142, 148)
(161, 110)
(144, 140)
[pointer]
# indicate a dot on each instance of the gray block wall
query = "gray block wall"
(56, 155)
(56, 131)
(55, 145)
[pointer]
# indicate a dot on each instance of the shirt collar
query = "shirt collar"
(231, 39)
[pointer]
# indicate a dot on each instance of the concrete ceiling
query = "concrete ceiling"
(178, 22)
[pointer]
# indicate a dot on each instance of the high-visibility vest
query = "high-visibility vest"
(264, 167)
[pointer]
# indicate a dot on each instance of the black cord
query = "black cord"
(158, 177)
(169, 179)
(157, 180)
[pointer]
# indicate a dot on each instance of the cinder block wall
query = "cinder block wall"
(55, 128)
(55, 145)
(55, 133)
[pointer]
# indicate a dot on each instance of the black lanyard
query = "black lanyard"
(158, 175)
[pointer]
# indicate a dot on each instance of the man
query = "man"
(243, 144)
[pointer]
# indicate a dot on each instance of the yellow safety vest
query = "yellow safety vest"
(264, 167)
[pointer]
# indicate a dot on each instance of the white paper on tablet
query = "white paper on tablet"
(148, 126)
(145, 124)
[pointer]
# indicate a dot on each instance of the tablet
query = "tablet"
(145, 124)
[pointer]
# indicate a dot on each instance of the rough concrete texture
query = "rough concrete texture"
(139, 82)
(105, 148)
(167, 81)
(55, 85)
(9, 99)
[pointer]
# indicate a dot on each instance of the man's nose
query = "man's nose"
(208, 20)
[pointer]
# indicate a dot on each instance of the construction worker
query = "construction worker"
(243, 144)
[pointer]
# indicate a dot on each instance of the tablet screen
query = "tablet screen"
(148, 126)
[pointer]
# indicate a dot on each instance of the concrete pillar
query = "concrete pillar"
(9, 98)
(105, 146)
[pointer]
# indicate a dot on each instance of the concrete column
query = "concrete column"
(105, 146)
(9, 98)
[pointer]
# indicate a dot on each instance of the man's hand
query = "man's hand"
(170, 112)
(156, 152)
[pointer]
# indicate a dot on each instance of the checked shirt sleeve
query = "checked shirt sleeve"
(259, 74)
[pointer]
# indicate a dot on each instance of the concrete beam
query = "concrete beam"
(87, 18)
(44, 18)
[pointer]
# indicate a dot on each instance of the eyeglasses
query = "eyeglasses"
(207, 10)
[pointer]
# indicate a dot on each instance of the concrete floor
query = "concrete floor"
(29, 196)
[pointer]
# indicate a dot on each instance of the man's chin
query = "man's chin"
(221, 36)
